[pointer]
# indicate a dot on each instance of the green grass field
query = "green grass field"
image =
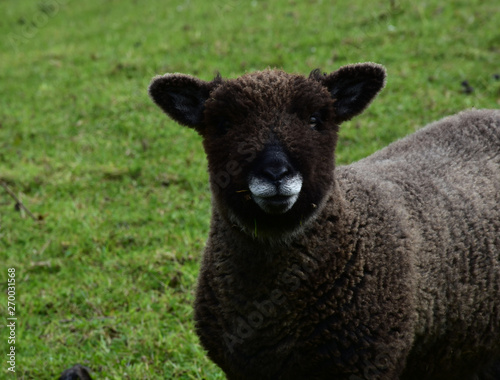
(106, 274)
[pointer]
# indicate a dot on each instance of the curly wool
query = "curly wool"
(401, 267)
(388, 268)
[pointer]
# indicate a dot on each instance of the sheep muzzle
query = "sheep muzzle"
(275, 197)
(274, 185)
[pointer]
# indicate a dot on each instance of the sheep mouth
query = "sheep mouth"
(276, 205)
(275, 197)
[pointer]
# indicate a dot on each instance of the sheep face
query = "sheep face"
(269, 138)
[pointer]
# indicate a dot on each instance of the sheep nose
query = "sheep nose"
(275, 173)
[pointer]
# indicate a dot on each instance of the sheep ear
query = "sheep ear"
(353, 87)
(182, 97)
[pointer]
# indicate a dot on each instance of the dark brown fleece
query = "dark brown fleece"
(388, 268)
(444, 182)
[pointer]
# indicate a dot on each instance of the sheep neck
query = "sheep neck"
(254, 289)
(258, 267)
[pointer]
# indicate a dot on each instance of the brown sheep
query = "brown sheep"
(388, 268)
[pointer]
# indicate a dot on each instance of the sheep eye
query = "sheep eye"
(314, 122)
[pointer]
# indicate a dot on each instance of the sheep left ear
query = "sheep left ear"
(352, 87)
(182, 97)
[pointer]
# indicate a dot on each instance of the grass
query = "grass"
(106, 276)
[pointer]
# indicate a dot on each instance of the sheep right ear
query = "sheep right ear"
(352, 87)
(182, 97)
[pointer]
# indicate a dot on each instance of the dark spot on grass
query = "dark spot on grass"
(466, 87)
(44, 267)
(118, 174)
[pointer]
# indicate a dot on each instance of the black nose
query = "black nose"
(274, 164)
(275, 172)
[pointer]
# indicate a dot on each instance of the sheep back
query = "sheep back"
(444, 183)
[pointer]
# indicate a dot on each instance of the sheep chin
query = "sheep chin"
(275, 205)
